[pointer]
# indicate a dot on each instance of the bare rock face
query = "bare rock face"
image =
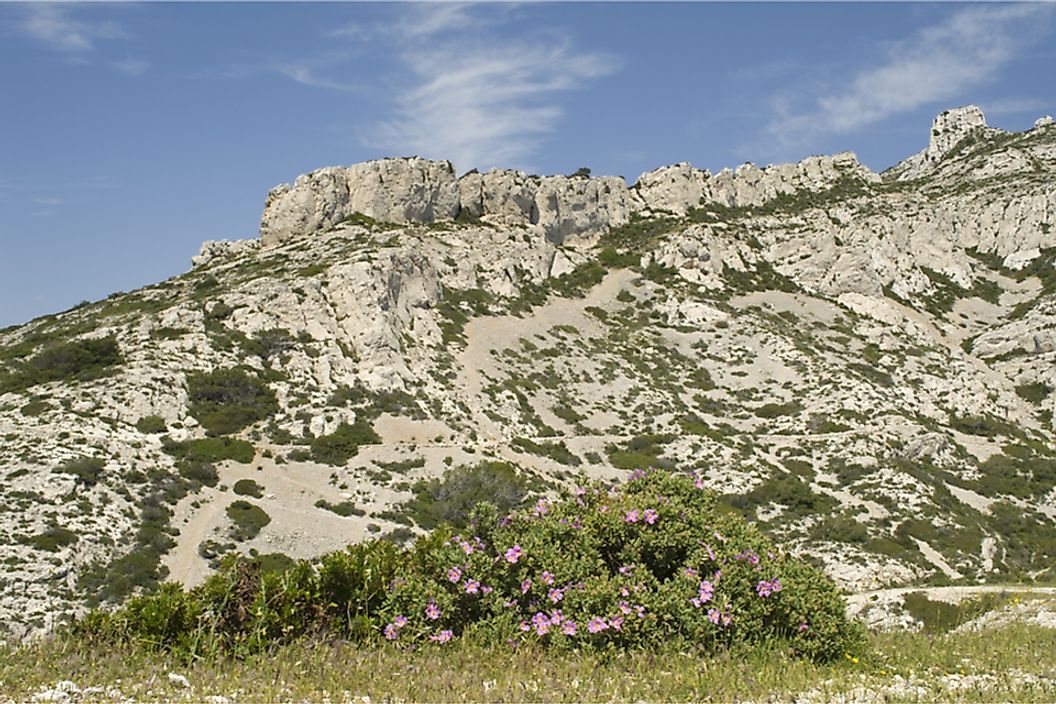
(571, 206)
(1044, 121)
(750, 185)
(947, 130)
(391, 190)
(674, 189)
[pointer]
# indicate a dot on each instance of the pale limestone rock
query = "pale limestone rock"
(221, 249)
(571, 206)
(388, 190)
(1044, 121)
(674, 189)
(947, 130)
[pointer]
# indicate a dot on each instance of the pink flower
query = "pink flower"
(542, 624)
(454, 574)
(467, 548)
(631, 516)
(556, 617)
(400, 621)
(569, 628)
(699, 483)
(432, 611)
(525, 626)
(547, 578)
(525, 586)
(513, 554)
(650, 516)
(714, 616)
(556, 595)
(626, 569)
(625, 608)
(442, 637)
(616, 622)
(391, 632)
(485, 589)
(472, 586)
(597, 625)
(803, 627)
(602, 509)
(707, 591)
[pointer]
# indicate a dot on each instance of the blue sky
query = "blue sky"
(130, 133)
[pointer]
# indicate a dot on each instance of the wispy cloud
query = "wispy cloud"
(1015, 106)
(938, 63)
(131, 67)
(480, 104)
(57, 28)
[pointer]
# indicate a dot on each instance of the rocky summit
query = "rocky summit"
(861, 362)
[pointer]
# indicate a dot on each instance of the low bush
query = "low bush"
(450, 499)
(211, 450)
(150, 425)
(649, 565)
(226, 400)
(340, 446)
(344, 508)
(87, 470)
(79, 360)
(53, 539)
(247, 518)
(248, 487)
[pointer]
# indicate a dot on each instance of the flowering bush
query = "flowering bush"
(650, 563)
(632, 566)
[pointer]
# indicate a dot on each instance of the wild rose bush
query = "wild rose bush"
(649, 562)
(653, 562)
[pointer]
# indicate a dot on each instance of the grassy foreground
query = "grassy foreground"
(1011, 663)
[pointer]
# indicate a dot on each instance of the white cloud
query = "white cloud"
(480, 102)
(487, 107)
(937, 64)
(55, 27)
(307, 76)
(131, 67)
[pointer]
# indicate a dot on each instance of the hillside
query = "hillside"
(863, 363)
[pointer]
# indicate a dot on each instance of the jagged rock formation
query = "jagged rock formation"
(863, 362)
(560, 207)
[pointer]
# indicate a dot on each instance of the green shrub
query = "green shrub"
(87, 470)
(150, 425)
(345, 508)
(227, 400)
(248, 519)
(340, 446)
(1034, 393)
(775, 410)
(35, 408)
(211, 450)
(53, 539)
(248, 487)
(79, 360)
(450, 498)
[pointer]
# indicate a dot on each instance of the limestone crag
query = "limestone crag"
(948, 129)
(559, 207)
(389, 190)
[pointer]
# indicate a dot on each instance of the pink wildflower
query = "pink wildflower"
(525, 586)
(454, 574)
(597, 625)
(569, 628)
(556, 595)
(442, 637)
(472, 586)
(616, 622)
(432, 611)
(514, 554)
(547, 578)
(625, 608)
(400, 621)
(803, 627)
(714, 616)
(650, 516)
(631, 516)
(391, 632)
(707, 591)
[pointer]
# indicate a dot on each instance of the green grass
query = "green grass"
(311, 670)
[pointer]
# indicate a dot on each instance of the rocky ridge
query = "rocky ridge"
(862, 362)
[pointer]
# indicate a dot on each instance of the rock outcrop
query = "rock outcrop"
(389, 190)
(562, 207)
(948, 129)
